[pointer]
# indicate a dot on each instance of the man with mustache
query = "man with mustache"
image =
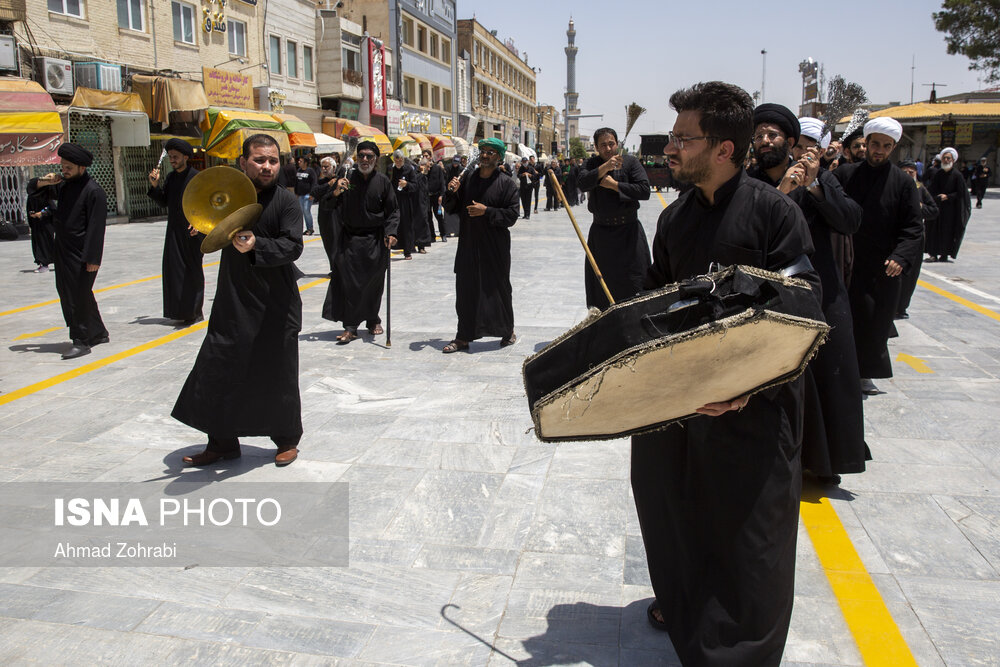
(245, 381)
(944, 235)
(717, 495)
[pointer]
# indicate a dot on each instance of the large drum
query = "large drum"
(645, 363)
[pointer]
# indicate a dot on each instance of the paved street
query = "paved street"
(471, 543)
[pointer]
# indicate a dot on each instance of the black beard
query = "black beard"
(773, 158)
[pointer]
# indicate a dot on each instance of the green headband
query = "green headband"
(495, 143)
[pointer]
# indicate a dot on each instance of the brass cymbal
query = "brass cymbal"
(222, 233)
(214, 194)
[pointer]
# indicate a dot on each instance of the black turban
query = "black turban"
(76, 154)
(780, 116)
(370, 145)
(907, 163)
(180, 146)
(856, 134)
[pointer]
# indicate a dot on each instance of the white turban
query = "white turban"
(887, 126)
(824, 143)
(812, 128)
(954, 153)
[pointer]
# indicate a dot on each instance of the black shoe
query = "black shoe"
(100, 341)
(829, 479)
(868, 388)
(78, 350)
(902, 315)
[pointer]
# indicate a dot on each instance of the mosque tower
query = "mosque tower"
(572, 96)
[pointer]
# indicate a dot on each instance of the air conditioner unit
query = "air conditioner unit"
(55, 74)
(102, 76)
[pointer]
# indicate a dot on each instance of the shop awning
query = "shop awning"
(423, 141)
(30, 128)
(462, 146)
(327, 144)
(407, 144)
(299, 133)
(443, 147)
(225, 130)
(353, 132)
(162, 96)
(91, 98)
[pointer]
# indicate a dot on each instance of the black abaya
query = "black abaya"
(183, 277)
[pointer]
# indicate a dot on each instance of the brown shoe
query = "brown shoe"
(207, 458)
(286, 456)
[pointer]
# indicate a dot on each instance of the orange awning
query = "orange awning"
(299, 134)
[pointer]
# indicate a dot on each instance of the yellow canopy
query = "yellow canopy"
(91, 98)
(225, 130)
(30, 128)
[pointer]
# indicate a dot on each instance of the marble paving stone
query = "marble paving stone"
(580, 516)
(906, 478)
(594, 460)
(320, 636)
(377, 493)
(395, 452)
(818, 633)
(648, 658)
(587, 626)
(892, 521)
(194, 622)
(110, 612)
(467, 559)
(538, 651)
(571, 572)
(933, 452)
(475, 457)
(532, 459)
(410, 646)
(446, 507)
(979, 521)
(477, 604)
(387, 552)
(636, 569)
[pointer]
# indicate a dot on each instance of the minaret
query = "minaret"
(572, 97)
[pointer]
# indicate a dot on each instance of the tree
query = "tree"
(842, 99)
(576, 149)
(972, 29)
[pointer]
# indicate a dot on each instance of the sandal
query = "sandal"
(455, 346)
(655, 622)
(376, 330)
(346, 337)
(510, 340)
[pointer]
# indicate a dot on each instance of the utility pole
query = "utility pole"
(913, 68)
(763, 73)
(934, 87)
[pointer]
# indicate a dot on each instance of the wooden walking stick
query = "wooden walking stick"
(388, 295)
(579, 234)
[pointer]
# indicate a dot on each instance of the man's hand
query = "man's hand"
(614, 163)
(476, 209)
(793, 179)
(609, 183)
(401, 183)
(92, 268)
(811, 163)
(192, 231)
(892, 269)
(244, 241)
(342, 185)
(390, 241)
(716, 409)
(35, 215)
(154, 177)
(50, 179)
(943, 197)
(832, 151)
(453, 184)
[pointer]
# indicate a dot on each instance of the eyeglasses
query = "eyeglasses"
(488, 151)
(677, 141)
(770, 136)
(366, 156)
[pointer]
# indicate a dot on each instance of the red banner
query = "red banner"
(376, 79)
(22, 150)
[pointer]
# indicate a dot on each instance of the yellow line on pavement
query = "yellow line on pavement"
(876, 633)
(125, 354)
(916, 363)
(662, 200)
(96, 291)
(982, 310)
(35, 334)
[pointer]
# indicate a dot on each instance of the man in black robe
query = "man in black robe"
(365, 204)
(928, 214)
(183, 277)
(525, 177)
(245, 381)
(436, 181)
(718, 495)
(789, 158)
(322, 194)
(486, 202)
(407, 195)
(422, 229)
(551, 198)
(981, 180)
(538, 178)
(944, 235)
(305, 181)
(616, 184)
(885, 246)
(80, 221)
(41, 206)
(570, 172)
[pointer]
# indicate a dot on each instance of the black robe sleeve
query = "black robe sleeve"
(635, 185)
(505, 213)
(928, 207)
(910, 239)
(286, 246)
(95, 205)
(838, 211)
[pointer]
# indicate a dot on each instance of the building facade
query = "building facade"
(502, 86)
(289, 83)
(421, 36)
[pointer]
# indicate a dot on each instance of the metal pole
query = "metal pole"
(579, 234)
(388, 295)
(763, 74)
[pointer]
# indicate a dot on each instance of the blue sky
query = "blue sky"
(642, 50)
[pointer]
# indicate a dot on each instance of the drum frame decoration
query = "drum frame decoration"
(758, 342)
